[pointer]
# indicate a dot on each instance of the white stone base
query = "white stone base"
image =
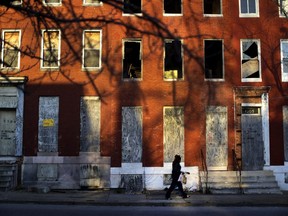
(281, 174)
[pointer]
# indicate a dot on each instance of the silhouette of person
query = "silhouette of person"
(176, 172)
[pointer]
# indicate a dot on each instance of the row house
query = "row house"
(103, 94)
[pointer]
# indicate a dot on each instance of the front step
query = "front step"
(8, 175)
(228, 182)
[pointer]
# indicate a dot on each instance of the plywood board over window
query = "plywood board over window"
(173, 133)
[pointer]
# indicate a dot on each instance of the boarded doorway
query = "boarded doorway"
(7, 132)
(252, 138)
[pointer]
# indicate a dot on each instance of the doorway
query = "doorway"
(252, 138)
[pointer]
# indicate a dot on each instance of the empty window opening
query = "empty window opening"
(213, 59)
(172, 6)
(131, 6)
(212, 7)
(173, 60)
(132, 59)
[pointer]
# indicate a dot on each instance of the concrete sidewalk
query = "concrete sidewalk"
(150, 198)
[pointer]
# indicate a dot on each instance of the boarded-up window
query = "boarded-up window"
(48, 124)
(173, 133)
(50, 49)
(90, 124)
(173, 62)
(250, 61)
(132, 134)
(132, 59)
(172, 6)
(284, 60)
(131, 6)
(213, 59)
(212, 6)
(10, 46)
(285, 127)
(216, 137)
(92, 49)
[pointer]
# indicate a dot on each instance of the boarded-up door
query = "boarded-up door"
(252, 142)
(7, 132)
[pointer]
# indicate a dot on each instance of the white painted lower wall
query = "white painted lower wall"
(153, 177)
(281, 175)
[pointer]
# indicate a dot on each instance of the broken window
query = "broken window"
(92, 49)
(173, 60)
(283, 8)
(213, 59)
(250, 60)
(172, 6)
(132, 59)
(131, 6)
(50, 56)
(212, 6)
(249, 8)
(10, 49)
(284, 60)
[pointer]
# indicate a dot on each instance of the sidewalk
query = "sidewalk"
(150, 198)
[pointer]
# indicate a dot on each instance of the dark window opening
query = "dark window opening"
(132, 6)
(172, 6)
(132, 60)
(212, 7)
(213, 59)
(173, 60)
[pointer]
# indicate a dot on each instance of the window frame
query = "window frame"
(83, 49)
(132, 13)
(259, 79)
(213, 15)
(52, 3)
(284, 76)
(3, 48)
(92, 4)
(223, 61)
(135, 40)
(16, 2)
(173, 14)
(248, 14)
(285, 8)
(42, 49)
(182, 60)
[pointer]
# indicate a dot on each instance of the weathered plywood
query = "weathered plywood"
(173, 133)
(132, 183)
(252, 142)
(48, 124)
(216, 137)
(90, 124)
(285, 128)
(7, 132)
(132, 134)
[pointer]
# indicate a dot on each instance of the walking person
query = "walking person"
(176, 172)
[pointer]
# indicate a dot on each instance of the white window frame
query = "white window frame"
(85, 3)
(16, 2)
(173, 14)
(3, 45)
(283, 74)
(258, 57)
(182, 57)
(248, 14)
(132, 14)
(136, 40)
(42, 49)
(214, 15)
(284, 7)
(223, 60)
(83, 49)
(52, 3)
